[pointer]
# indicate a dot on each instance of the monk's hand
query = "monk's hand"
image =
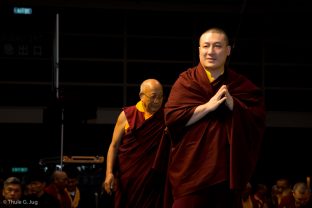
(218, 98)
(109, 183)
(222, 96)
(228, 98)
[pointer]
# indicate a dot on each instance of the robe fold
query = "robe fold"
(222, 146)
(64, 198)
(138, 184)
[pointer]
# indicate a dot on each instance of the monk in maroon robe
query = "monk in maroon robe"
(216, 119)
(57, 188)
(131, 156)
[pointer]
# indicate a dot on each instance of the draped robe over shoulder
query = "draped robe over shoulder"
(61, 197)
(222, 146)
(137, 184)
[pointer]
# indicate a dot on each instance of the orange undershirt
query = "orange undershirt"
(140, 108)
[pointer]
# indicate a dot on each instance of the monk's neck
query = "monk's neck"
(147, 114)
(214, 74)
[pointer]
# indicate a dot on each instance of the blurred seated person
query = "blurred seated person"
(36, 183)
(57, 186)
(300, 197)
(247, 196)
(255, 197)
(282, 189)
(260, 197)
(72, 186)
(11, 193)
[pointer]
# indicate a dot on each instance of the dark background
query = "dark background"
(107, 49)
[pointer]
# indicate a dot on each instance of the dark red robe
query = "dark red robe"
(290, 202)
(64, 200)
(138, 185)
(222, 146)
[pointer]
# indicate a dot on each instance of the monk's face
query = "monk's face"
(300, 197)
(152, 99)
(213, 50)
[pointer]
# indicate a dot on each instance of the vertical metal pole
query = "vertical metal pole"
(96, 197)
(57, 56)
(57, 86)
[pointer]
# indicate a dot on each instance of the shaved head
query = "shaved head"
(149, 84)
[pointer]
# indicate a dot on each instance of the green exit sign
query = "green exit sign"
(22, 10)
(19, 169)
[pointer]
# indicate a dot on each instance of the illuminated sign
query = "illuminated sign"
(22, 10)
(19, 169)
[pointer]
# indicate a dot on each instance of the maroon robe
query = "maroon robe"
(222, 146)
(64, 200)
(138, 185)
(290, 202)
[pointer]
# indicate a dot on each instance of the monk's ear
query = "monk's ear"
(228, 48)
(141, 95)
